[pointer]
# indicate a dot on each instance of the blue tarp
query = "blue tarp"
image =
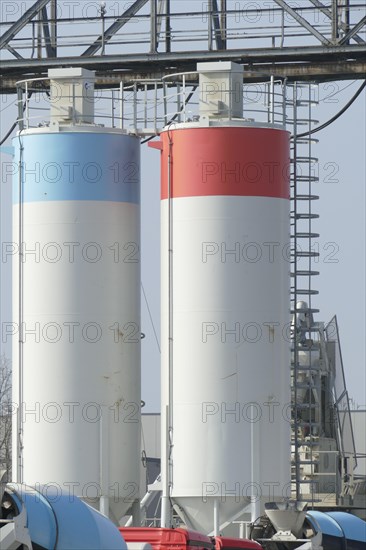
(339, 524)
(353, 527)
(327, 525)
(60, 521)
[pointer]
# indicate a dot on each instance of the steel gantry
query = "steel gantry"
(312, 41)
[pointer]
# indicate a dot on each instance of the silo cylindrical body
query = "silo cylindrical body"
(76, 307)
(225, 317)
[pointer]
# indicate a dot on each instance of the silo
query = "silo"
(76, 302)
(225, 307)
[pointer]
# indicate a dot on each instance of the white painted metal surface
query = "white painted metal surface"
(77, 369)
(230, 359)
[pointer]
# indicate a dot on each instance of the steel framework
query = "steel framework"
(313, 41)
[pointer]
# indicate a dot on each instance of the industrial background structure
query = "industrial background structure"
(309, 40)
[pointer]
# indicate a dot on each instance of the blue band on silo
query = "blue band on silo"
(77, 166)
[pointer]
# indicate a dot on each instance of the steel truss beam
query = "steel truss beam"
(223, 20)
(161, 9)
(13, 52)
(320, 62)
(22, 22)
(303, 22)
(115, 27)
(216, 24)
(353, 31)
(179, 59)
(46, 32)
(344, 27)
(317, 70)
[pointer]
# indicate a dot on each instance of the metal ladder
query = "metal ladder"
(305, 394)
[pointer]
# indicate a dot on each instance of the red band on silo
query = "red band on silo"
(226, 161)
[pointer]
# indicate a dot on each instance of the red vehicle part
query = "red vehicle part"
(167, 539)
(226, 543)
(181, 539)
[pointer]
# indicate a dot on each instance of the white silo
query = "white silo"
(225, 308)
(76, 222)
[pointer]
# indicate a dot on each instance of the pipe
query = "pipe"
(165, 500)
(216, 517)
(104, 462)
(166, 468)
(255, 468)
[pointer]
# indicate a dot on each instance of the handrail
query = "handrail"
(148, 105)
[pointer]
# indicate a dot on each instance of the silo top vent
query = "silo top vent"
(72, 95)
(221, 90)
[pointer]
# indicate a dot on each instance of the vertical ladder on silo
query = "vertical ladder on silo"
(306, 413)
